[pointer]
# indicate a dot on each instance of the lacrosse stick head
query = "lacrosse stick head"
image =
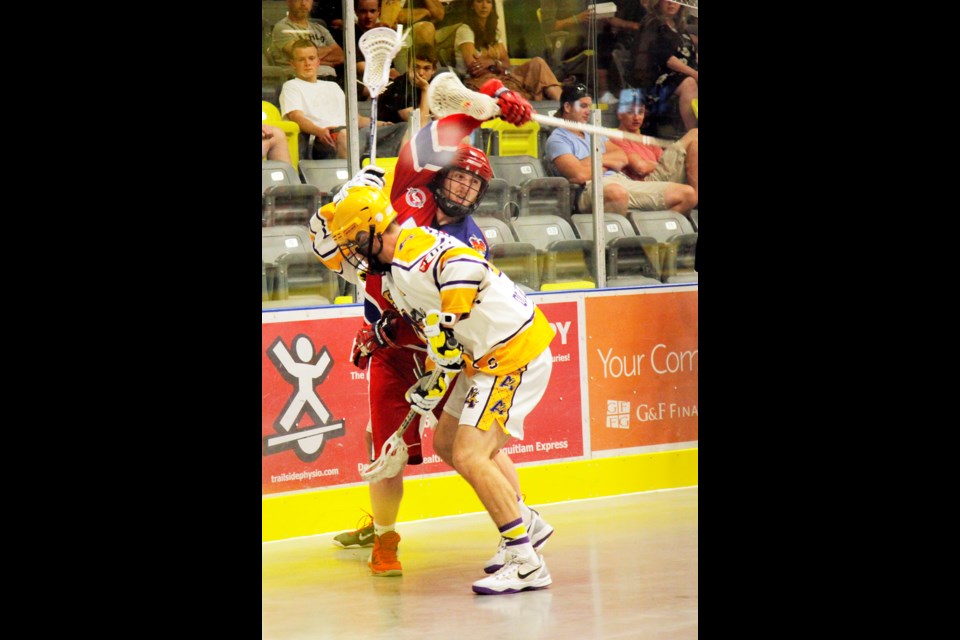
(379, 46)
(447, 95)
(393, 457)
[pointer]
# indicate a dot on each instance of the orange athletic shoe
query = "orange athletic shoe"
(383, 559)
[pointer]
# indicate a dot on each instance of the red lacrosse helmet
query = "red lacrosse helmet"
(458, 197)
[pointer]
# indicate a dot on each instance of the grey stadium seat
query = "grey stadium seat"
(277, 172)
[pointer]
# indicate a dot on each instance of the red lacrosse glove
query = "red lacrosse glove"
(372, 337)
(514, 108)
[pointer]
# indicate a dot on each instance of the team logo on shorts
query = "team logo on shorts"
(509, 382)
(416, 197)
(472, 397)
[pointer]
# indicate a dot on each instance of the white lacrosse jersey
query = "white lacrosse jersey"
(500, 329)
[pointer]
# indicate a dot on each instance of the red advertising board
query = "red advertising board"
(642, 365)
(314, 404)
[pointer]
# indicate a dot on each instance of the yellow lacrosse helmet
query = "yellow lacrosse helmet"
(363, 208)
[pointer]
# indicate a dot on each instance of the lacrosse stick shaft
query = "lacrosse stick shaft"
(589, 128)
(448, 95)
(373, 130)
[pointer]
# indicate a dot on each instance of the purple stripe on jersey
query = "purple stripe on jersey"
(511, 336)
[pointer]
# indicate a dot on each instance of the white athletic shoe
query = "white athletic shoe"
(516, 575)
(538, 530)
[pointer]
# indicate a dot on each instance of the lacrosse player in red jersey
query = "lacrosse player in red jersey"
(438, 182)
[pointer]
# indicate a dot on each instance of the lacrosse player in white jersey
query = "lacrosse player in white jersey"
(489, 332)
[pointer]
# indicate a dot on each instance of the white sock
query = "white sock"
(525, 512)
(526, 552)
(380, 529)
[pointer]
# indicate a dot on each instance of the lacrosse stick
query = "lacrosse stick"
(379, 46)
(393, 453)
(447, 95)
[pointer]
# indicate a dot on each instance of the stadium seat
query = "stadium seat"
(302, 278)
(278, 240)
(518, 260)
(510, 140)
(495, 230)
(678, 261)
(633, 260)
(495, 200)
(293, 273)
(532, 189)
(269, 114)
(517, 169)
(630, 259)
(541, 230)
(561, 255)
(614, 225)
(289, 204)
(661, 225)
(325, 175)
(266, 282)
(567, 261)
(277, 172)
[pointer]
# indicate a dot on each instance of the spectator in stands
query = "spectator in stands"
(297, 26)
(569, 153)
(421, 14)
(680, 162)
(565, 24)
(666, 61)
(619, 32)
(409, 92)
(319, 107)
(330, 12)
(481, 56)
(368, 17)
(273, 143)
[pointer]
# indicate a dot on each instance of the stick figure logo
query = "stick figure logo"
(304, 372)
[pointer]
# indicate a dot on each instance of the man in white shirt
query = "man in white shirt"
(319, 107)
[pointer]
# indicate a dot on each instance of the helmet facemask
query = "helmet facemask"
(362, 252)
(458, 192)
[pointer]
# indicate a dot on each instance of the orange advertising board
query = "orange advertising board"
(642, 365)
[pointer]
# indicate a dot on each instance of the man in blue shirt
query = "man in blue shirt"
(569, 153)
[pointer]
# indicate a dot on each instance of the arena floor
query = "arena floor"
(623, 567)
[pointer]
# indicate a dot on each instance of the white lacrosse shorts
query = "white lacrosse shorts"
(482, 400)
